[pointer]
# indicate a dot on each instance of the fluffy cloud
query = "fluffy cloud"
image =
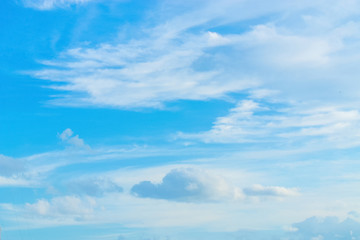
(193, 185)
(68, 137)
(51, 4)
(186, 185)
(93, 186)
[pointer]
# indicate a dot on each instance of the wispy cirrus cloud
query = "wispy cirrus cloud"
(144, 73)
(167, 63)
(257, 121)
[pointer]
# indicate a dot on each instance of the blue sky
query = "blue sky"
(139, 120)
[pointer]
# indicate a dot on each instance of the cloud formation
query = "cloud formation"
(193, 185)
(186, 185)
(68, 137)
(144, 73)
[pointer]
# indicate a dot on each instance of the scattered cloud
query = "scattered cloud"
(189, 56)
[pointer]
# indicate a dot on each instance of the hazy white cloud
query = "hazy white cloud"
(13, 181)
(51, 4)
(270, 191)
(11, 166)
(66, 206)
(94, 186)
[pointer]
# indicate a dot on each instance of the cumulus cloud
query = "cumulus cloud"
(187, 184)
(68, 137)
(51, 4)
(95, 186)
(193, 185)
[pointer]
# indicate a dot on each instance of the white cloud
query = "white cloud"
(67, 136)
(144, 73)
(194, 185)
(51, 4)
(255, 121)
(187, 185)
(318, 48)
